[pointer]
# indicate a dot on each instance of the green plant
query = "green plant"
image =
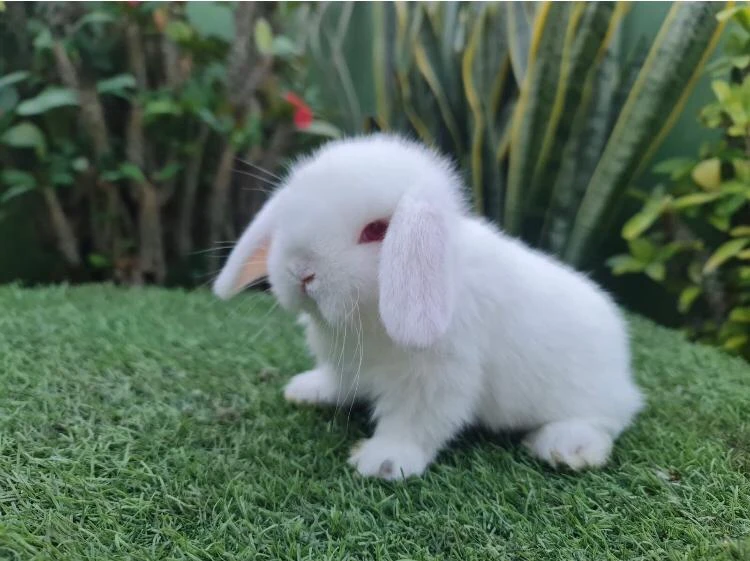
(131, 122)
(532, 99)
(693, 235)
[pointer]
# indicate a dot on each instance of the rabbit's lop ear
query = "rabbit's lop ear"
(417, 292)
(247, 262)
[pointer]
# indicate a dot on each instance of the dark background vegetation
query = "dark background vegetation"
(138, 138)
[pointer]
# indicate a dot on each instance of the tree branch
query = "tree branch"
(67, 243)
(189, 193)
(152, 262)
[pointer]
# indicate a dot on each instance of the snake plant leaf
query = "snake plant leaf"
(408, 22)
(381, 71)
(331, 26)
(484, 63)
(433, 69)
(675, 60)
(519, 27)
(591, 28)
(535, 105)
(581, 153)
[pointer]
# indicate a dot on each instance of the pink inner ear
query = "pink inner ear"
(255, 268)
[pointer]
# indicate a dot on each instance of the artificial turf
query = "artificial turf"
(149, 424)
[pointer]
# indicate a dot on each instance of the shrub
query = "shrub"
(131, 122)
(531, 98)
(692, 235)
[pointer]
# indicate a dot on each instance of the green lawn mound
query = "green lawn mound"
(149, 424)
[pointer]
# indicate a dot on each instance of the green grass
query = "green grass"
(149, 424)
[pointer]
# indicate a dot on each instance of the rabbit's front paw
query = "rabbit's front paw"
(311, 387)
(388, 458)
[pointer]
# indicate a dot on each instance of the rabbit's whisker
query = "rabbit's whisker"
(259, 168)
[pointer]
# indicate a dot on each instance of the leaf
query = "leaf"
(263, 36)
(722, 90)
(736, 342)
(43, 40)
(25, 135)
(694, 199)
(740, 315)
(740, 231)
(8, 100)
(623, 264)
(707, 174)
(532, 113)
(112, 175)
(116, 84)
(94, 17)
(61, 177)
(284, 47)
(729, 205)
(590, 29)
(721, 223)
(687, 298)
(724, 253)
(657, 271)
(51, 98)
(675, 168)
(742, 169)
(322, 128)
(167, 172)
(162, 106)
(80, 164)
(741, 14)
(221, 125)
(16, 177)
(14, 192)
(674, 63)
(671, 249)
(211, 19)
(179, 31)
(734, 187)
(583, 149)
(132, 171)
(642, 249)
(643, 220)
(471, 92)
(13, 78)
(519, 39)
(98, 261)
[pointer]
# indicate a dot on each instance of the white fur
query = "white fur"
(446, 323)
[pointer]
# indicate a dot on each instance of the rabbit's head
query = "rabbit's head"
(368, 220)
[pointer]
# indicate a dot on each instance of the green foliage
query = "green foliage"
(532, 99)
(693, 237)
(25, 135)
(127, 119)
(50, 98)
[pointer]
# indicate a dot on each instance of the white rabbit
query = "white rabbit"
(432, 316)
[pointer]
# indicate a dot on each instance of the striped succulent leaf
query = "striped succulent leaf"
(532, 99)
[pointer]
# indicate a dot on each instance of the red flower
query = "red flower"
(303, 115)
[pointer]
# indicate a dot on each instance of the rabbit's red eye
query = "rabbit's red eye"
(374, 232)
